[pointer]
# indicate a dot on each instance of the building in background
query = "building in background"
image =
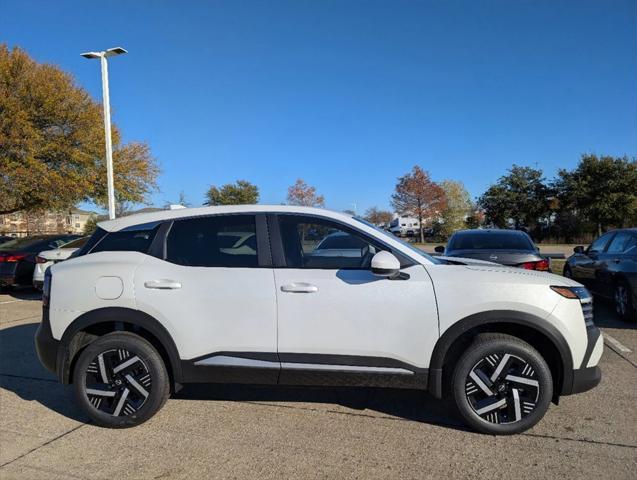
(21, 224)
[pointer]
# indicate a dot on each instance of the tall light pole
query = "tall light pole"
(111, 52)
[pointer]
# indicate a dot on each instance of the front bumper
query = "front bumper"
(45, 345)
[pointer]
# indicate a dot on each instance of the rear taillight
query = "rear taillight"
(543, 265)
(13, 257)
(39, 259)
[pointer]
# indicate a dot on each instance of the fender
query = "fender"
(116, 314)
(498, 317)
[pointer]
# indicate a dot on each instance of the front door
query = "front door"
(339, 323)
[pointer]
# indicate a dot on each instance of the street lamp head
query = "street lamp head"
(111, 52)
(114, 51)
(91, 54)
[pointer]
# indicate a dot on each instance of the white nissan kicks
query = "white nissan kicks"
(300, 296)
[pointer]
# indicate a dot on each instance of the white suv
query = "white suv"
(243, 294)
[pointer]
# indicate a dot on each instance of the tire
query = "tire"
(623, 301)
(120, 380)
(485, 367)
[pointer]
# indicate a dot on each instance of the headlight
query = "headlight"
(584, 297)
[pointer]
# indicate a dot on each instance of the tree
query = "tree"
(241, 192)
(304, 195)
(458, 208)
(602, 190)
(91, 225)
(378, 217)
(418, 196)
(52, 142)
(475, 219)
(522, 197)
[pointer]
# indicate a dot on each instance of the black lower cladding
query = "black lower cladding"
(584, 379)
(45, 345)
(303, 369)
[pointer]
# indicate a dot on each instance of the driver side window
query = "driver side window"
(316, 243)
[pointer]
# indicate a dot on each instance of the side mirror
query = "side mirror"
(439, 249)
(579, 249)
(385, 264)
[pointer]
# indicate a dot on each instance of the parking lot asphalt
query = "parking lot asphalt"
(242, 432)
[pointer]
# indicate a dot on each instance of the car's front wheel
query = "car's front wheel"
(120, 380)
(501, 385)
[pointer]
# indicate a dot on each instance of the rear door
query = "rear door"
(339, 323)
(214, 292)
(619, 259)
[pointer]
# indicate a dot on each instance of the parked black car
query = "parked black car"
(4, 238)
(608, 268)
(18, 257)
(507, 247)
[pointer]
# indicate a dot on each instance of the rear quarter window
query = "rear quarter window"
(133, 240)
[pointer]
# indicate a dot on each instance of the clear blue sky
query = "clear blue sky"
(350, 94)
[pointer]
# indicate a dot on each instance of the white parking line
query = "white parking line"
(11, 301)
(616, 343)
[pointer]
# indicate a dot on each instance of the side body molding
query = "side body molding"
(70, 342)
(501, 317)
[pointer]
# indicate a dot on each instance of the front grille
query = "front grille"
(587, 310)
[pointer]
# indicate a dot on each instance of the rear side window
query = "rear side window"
(219, 241)
(133, 240)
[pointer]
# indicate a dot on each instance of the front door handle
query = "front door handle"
(162, 284)
(299, 287)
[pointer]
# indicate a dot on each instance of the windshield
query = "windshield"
(484, 240)
(389, 235)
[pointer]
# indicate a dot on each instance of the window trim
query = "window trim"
(278, 252)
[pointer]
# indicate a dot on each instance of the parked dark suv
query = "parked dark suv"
(608, 268)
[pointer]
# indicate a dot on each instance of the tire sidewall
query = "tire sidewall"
(153, 361)
(472, 356)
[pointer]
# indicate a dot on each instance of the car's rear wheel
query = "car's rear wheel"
(120, 380)
(501, 385)
(622, 297)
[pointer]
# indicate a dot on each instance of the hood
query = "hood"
(57, 254)
(535, 276)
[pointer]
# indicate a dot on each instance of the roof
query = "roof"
(138, 219)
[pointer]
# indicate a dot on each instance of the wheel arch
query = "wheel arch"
(536, 331)
(91, 325)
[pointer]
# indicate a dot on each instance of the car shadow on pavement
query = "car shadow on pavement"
(22, 373)
(396, 403)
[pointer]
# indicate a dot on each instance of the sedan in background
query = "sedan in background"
(608, 268)
(18, 257)
(506, 247)
(50, 257)
(4, 239)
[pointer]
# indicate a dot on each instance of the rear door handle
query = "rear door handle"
(162, 284)
(299, 287)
